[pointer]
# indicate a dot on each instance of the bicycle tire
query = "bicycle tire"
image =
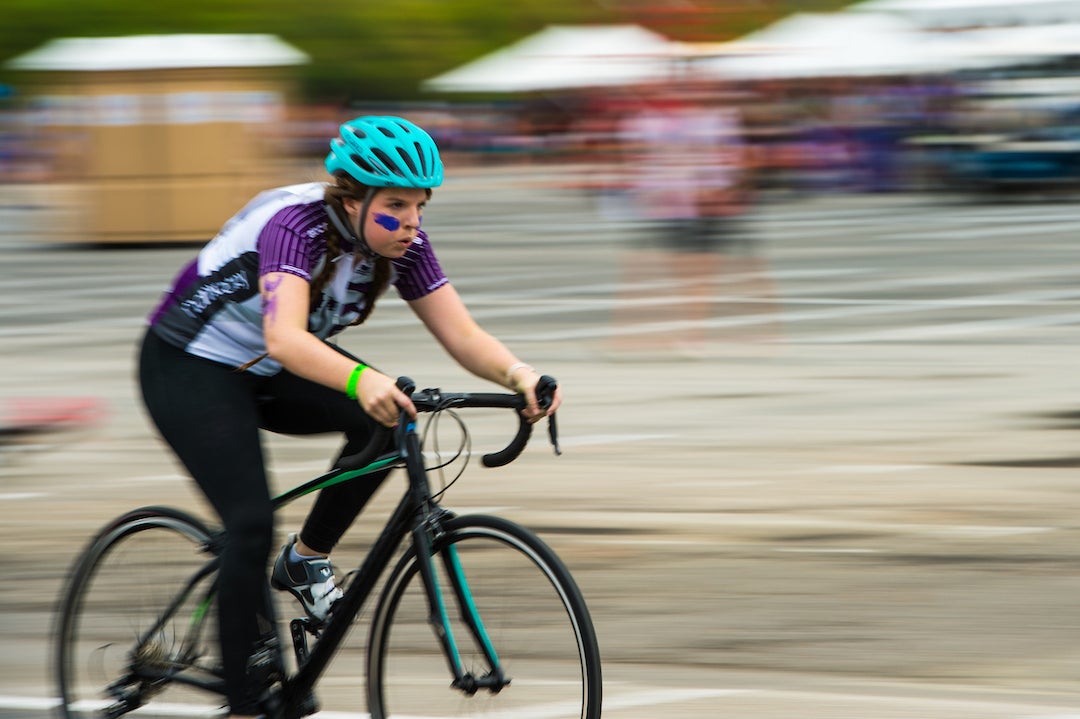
(119, 587)
(532, 610)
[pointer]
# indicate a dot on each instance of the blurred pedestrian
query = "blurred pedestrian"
(686, 166)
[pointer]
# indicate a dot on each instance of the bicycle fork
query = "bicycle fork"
(494, 680)
(439, 619)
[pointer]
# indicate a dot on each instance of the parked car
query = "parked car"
(1034, 158)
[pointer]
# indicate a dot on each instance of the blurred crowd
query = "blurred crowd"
(824, 135)
(685, 162)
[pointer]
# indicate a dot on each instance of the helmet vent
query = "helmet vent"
(420, 154)
(386, 160)
(407, 160)
(386, 131)
(363, 164)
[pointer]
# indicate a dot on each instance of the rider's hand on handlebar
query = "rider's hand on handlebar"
(381, 399)
(525, 383)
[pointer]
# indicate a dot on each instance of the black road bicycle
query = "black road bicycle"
(478, 617)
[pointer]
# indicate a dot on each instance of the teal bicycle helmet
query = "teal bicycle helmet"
(385, 151)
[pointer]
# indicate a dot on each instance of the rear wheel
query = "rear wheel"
(534, 618)
(137, 620)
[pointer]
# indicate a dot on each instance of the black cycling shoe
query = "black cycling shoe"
(310, 580)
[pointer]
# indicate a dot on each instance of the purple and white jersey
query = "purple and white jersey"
(214, 310)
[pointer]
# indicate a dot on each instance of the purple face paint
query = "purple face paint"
(390, 223)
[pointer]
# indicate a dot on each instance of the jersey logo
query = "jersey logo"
(211, 292)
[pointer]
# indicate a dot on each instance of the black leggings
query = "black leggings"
(211, 414)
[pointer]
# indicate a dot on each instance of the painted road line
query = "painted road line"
(632, 700)
(825, 550)
(648, 698)
(868, 308)
(943, 331)
(601, 439)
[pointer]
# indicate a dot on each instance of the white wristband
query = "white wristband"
(514, 368)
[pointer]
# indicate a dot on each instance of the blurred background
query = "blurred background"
(194, 107)
(806, 270)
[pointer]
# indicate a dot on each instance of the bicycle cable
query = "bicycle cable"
(431, 428)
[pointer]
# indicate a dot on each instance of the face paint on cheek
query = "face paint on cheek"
(390, 223)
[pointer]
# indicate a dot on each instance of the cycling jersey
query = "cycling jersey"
(214, 310)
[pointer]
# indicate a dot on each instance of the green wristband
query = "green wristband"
(354, 379)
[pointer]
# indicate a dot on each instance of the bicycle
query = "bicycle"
(136, 619)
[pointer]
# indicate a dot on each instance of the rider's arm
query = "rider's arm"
(285, 319)
(448, 319)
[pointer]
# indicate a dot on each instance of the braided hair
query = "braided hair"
(345, 187)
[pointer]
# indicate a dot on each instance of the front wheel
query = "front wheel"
(136, 620)
(535, 653)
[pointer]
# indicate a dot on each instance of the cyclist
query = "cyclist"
(239, 343)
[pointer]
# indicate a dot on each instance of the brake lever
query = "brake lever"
(545, 390)
(408, 387)
(553, 433)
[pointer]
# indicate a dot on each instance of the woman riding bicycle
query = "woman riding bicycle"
(239, 344)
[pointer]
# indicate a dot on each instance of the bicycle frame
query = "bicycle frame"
(418, 516)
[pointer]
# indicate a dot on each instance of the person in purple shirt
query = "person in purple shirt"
(239, 344)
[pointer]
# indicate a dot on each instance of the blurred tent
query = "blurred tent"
(968, 14)
(1028, 43)
(863, 44)
(158, 52)
(835, 45)
(564, 57)
(991, 33)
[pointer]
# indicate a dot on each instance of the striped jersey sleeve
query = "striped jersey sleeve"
(418, 273)
(293, 240)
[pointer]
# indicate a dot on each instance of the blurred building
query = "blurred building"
(153, 138)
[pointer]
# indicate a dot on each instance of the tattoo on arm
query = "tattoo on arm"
(270, 298)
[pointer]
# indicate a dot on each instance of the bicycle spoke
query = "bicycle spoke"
(540, 633)
(136, 624)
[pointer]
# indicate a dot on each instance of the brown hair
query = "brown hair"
(345, 187)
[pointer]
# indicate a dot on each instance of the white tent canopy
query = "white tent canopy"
(565, 56)
(853, 44)
(834, 44)
(156, 52)
(1034, 43)
(962, 14)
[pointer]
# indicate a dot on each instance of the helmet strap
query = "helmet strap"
(346, 230)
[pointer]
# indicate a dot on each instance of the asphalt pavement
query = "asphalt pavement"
(827, 471)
